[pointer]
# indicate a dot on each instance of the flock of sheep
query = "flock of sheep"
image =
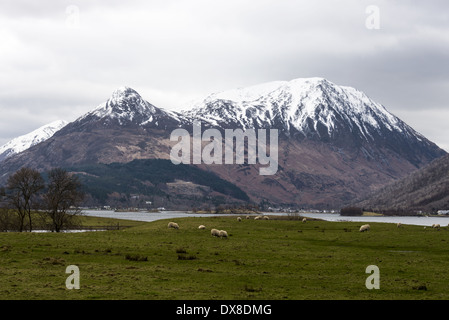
(213, 232)
(216, 232)
(224, 234)
(366, 227)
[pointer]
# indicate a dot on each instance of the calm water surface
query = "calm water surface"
(153, 216)
(420, 221)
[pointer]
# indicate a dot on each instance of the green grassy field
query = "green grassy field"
(273, 260)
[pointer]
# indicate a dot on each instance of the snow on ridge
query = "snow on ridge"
(255, 92)
(296, 102)
(247, 93)
(28, 140)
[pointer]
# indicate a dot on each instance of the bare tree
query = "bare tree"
(22, 188)
(62, 199)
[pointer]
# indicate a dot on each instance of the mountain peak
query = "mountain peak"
(124, 89)
(125, 105)
(255, 92)
(313, 80)
(123, 94)
(126, 98)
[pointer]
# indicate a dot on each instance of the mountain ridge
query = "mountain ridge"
(24, 142)
(425, 189)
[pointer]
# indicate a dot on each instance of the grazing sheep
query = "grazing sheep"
(365, 227)
(222, 234)
(304, 220)
(202, 227)
(266, 218)
(173, 225)
(399, 225)
(257, 218)
(247, 217)
(239, 219)
(215, 232)
(436, 226)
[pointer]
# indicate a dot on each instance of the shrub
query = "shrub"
(136, 257)
(183, 257)
(351, 211)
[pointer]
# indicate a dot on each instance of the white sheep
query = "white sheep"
(239, 219)
(202, 227)
(222, 234)
(215, 232)
(173, 225)
(436, 226)
(399, 225)
(266, 217)
(365, 227)
(257, 218)
(304, 220)
(247, 217)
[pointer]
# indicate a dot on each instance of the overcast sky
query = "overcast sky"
(60, 59)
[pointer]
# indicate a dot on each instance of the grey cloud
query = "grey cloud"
(174, 51)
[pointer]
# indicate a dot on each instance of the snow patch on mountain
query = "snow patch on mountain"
(26, 141)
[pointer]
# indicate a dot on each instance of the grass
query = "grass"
(261, 259)
(372, 214)
(97, 222)
(41, 222)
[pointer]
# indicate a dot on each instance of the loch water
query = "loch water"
(153, 216)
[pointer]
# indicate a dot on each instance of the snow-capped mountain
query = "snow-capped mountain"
(317, 109)
(26, 141)
(314, 107)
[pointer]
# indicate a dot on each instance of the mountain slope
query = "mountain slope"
(157, 180)
(26, 141)
(335, 142)
(425, 189)
(317, 109)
